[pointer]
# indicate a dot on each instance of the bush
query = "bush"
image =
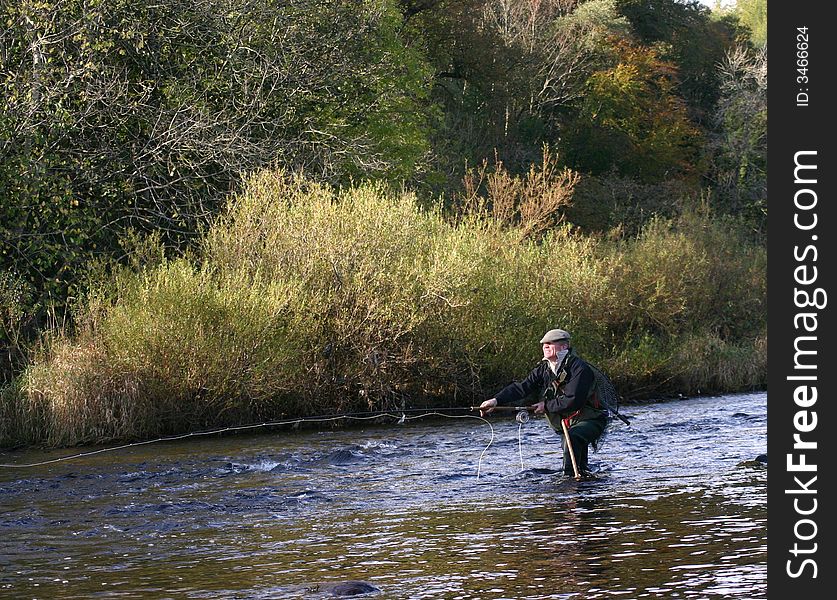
(308, 300)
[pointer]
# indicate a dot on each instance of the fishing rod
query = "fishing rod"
(522, 415)
(531, 407)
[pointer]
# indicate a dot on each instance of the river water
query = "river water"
(421, 509)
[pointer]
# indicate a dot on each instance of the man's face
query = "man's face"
(551, 349)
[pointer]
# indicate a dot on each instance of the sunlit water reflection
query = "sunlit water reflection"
(419, 510)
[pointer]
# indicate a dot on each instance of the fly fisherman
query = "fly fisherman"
(567, 387)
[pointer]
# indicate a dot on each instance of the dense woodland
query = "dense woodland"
(242, 161)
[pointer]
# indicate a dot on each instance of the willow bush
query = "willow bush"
(309, 300)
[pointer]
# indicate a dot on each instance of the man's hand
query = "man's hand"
(539, 408)
(488, 406)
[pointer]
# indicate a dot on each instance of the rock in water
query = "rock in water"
(348, 588)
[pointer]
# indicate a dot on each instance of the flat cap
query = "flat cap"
(555, 335)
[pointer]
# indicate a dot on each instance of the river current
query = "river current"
(432, 507)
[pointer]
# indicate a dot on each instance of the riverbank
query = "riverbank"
(307, 300)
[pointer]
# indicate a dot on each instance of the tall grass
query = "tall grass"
(309, 300)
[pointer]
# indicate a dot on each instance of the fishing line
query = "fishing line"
(522, 418)
(520, 445)
(401, 416)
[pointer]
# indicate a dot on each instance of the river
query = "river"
(433, 507)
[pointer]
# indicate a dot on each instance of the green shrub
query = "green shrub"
(309, 300)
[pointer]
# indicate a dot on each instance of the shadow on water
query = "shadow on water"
(423, 510)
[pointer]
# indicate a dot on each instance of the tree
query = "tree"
(132, 115)
(753, 15)
(739, 141)
(632, 120)
(684, 33)
(509, 72)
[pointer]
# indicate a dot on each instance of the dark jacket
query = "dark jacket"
(570, 393)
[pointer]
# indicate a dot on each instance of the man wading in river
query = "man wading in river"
(568, 387)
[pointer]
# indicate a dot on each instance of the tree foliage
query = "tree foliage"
(509, 72)
(632, 121)
(753, 15)
(684, 33)
(125, 115)
(739, 140)
(122, 119)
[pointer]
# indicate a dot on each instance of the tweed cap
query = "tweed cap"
(555, 335)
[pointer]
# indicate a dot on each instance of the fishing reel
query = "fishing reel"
(522, 417)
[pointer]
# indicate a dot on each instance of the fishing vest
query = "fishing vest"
(591, 409)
